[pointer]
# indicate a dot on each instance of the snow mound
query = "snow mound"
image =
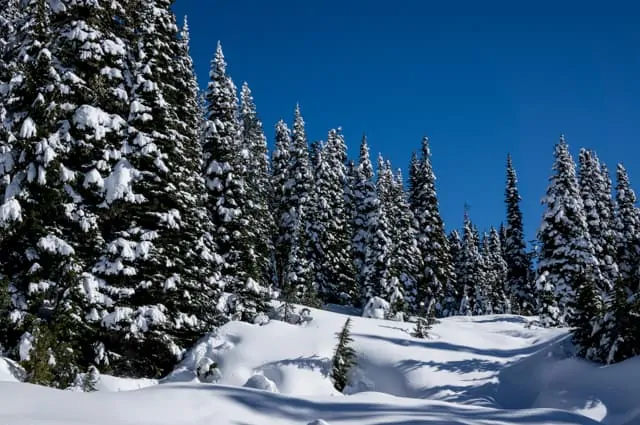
(376, 308)
(10, 371)
(260, 382)
(318, 422)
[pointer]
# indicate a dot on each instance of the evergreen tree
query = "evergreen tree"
(343, 358)
(66, 120)
(229, 201)
(518, 282)
(437, 270)
(589, 309)
(455, 251)
(258, 186)
(620, 329)
(365, 204)
(406, 261)
(496, 273)
(377, 278)
(471, 272)
(155, 270)
(566, 249)
(329, 233)
(280, 167)
(595, 192)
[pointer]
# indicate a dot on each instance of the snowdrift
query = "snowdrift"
(486, 370)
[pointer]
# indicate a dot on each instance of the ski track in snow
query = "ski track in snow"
(485, 370)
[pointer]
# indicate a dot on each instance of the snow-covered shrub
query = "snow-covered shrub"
(286, 312)
(376, 308)
(261, 382)
(208, 371)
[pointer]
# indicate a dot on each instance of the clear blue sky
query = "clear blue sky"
(480, 79)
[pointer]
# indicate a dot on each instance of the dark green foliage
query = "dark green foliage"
(588, 309)
(344, 358)
(519, 283)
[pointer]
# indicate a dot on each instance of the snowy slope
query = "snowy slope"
(485, 370)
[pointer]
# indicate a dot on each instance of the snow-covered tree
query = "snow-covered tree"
(620, 327)
(471, 272)
(437, 270)
(565, 246)
(406, 261)
(229, 202)
(344, 358)
(519, 282)
(365, 203)
(496, 273)
(329, 233)
(155, 273)
(595, 191)
(258, 185)
(292, 183)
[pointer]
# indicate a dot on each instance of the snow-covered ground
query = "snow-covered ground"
(486, 370)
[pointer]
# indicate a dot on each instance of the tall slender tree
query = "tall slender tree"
(437, 270)
(519, 282)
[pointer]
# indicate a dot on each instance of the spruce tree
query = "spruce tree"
(565, 245)
(589, 310)
(620, 329)
(300, 185)
(66, 119)
(155, 270)
(519, 282)
(595, 192)
(471, 272)
(437, 270)
(406, 261)
(365, 203)
(258, 186)
(344, 358)
(229, 201)
(496, 273)
(329, 233)
(455, 251)
(280, 168)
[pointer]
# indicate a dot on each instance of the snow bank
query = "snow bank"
(10, 371)
(487, 370)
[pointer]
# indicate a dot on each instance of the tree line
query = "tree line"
(138, 213)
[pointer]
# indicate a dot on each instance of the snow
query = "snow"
(480, 370)
(55, 245)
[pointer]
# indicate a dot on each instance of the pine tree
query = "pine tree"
(619, 326)
(258, 186)
(455, 251)
(589, 309)
(566, 249)
(229, 202)
(437, 271)
(280, 167)
(377, 280)
(343, 358)
(496, 273)
(595, 192)
(155, 267)
(365, 203)
(406, 261)
(67, 120)
(518, 282)
(329, 233)
(471, 272)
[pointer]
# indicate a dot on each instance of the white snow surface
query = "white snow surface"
(485, 370)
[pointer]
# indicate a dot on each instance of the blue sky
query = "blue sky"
(479, 79)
